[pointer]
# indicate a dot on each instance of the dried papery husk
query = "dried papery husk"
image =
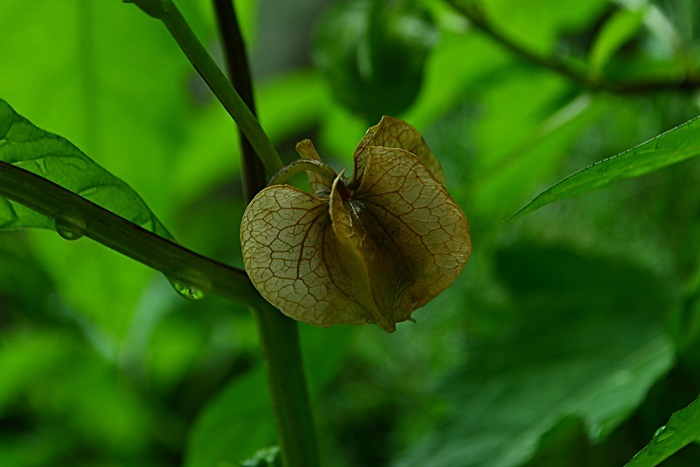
(371, 249)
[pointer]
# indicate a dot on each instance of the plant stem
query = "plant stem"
(238, 70)
(279, 341)
(117, 233)
(473, 12)
(279, 337)
(168, 13)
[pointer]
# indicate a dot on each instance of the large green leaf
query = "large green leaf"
(24, 145)
(118, 97)
(682, 429)
(671, 147)
(571, 353)
(65, 178)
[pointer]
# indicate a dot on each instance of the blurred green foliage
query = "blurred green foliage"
(373, 53)
(570, 338)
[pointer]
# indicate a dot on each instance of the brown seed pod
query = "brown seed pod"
(370, 249)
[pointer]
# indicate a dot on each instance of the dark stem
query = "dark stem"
(279, 337)
(477, 18)
(254, 178)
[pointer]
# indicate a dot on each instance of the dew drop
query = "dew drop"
(192, 285)
(660, 434)
(70, 226)
(663, 433)
(188, 291)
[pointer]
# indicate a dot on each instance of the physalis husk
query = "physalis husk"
(368, 249)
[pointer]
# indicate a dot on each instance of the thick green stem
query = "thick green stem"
(167, 12)
(279, 339)
(115, 232)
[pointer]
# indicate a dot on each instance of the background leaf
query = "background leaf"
(55, 159)
(566, 356)
(673, 146)
(683, 428)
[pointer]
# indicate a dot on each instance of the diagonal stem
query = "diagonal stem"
(478, 19)
(117, 233)
(167, 12)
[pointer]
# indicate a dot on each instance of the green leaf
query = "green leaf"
(234, 424)
(24, 145)
(43, 172)
(619, 29)
(671, 147)
(682, 429)
(571, 353)
(120, 101)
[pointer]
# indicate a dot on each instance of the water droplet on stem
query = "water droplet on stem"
(191, 285)
(70, 226)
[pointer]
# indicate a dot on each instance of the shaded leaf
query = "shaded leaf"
(682, 429)
(46, 373)
(573, 354)
(235, 424)
(24, 145)
(671, 147)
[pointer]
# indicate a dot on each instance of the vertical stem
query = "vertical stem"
(279, 337)
(254, 178)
